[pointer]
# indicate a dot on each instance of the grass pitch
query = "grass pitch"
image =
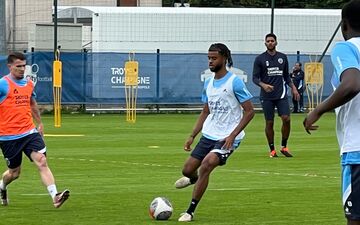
(116, 168)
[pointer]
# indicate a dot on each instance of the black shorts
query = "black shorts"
(351, 191)
(282, 106)
(206, 145)
(13, 149)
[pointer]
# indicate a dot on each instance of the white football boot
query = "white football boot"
(182, 182)
(185, 217)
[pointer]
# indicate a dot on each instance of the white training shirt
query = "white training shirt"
(223, 97)
(346, 55)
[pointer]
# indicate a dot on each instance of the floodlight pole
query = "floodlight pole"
(328, 44)
(272, 16)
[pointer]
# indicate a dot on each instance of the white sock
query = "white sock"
(2, 185)
(52, 190)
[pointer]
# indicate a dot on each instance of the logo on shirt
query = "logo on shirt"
(16, 91)
(280, 60)
(267, 63)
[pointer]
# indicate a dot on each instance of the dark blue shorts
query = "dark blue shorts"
(351, 191)
(206, 145)
(13, 149)
(282, 106)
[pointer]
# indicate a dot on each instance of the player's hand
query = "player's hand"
(40, 129)
(295, 94)
(308, 122)
(229, 142)
(187, 145)
(268, 87)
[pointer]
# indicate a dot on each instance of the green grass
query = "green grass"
(113, 175)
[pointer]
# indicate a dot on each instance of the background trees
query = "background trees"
(320, 4)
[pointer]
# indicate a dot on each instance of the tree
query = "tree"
(320, 4)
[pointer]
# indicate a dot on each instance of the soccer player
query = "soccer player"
(18, 132)
(226, 112)
(271, 73)
(345, 99)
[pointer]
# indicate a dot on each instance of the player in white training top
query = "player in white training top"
(346, 101)
(226, 112)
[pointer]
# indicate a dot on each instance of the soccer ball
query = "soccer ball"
(160, 209)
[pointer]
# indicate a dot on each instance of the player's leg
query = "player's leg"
(216, 157)
(13, 155)
(210, 162)
(351, 193)
(283, 108)
(301, 101)
(268, 109)
(36, 151)
(190, 173)
(193, 162)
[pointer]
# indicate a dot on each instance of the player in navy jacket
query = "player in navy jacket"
(271, 73)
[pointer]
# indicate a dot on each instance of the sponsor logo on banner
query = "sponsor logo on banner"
(117, 79)
(31, 71)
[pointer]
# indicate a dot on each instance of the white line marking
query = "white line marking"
(34, 194)
(64, 135)
(223, 169)
(229, 189)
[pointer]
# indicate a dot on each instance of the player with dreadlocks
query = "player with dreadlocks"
(226, 112)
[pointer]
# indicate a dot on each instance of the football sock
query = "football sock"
(52, 190)
(2, 185)
(192, 206)
(284, 142)
(193, 179)
(271, 146)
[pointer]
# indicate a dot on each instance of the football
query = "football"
(160, 209)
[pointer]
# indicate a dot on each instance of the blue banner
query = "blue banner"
(98, 78)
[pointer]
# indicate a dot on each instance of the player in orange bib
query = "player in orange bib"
(18, 132)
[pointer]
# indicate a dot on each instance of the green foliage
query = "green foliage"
(321, 4)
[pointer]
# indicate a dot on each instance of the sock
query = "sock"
(2, 185)
(52, 190)
(193, 179)
(192, 206)
(271, 146)
(284, 142)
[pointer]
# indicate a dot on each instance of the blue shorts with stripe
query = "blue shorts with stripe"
(351, 185)
(206, 145)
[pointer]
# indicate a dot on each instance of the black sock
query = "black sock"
(284, 142)
(192, 206)
(271, 146)
(193, 179)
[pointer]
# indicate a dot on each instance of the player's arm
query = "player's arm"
(36, 115)
(244, 97)
(248, 115)
(348, 89)
(257, 70)
(4, 88)
(202, 117)
(197, 128)
(346, 65)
